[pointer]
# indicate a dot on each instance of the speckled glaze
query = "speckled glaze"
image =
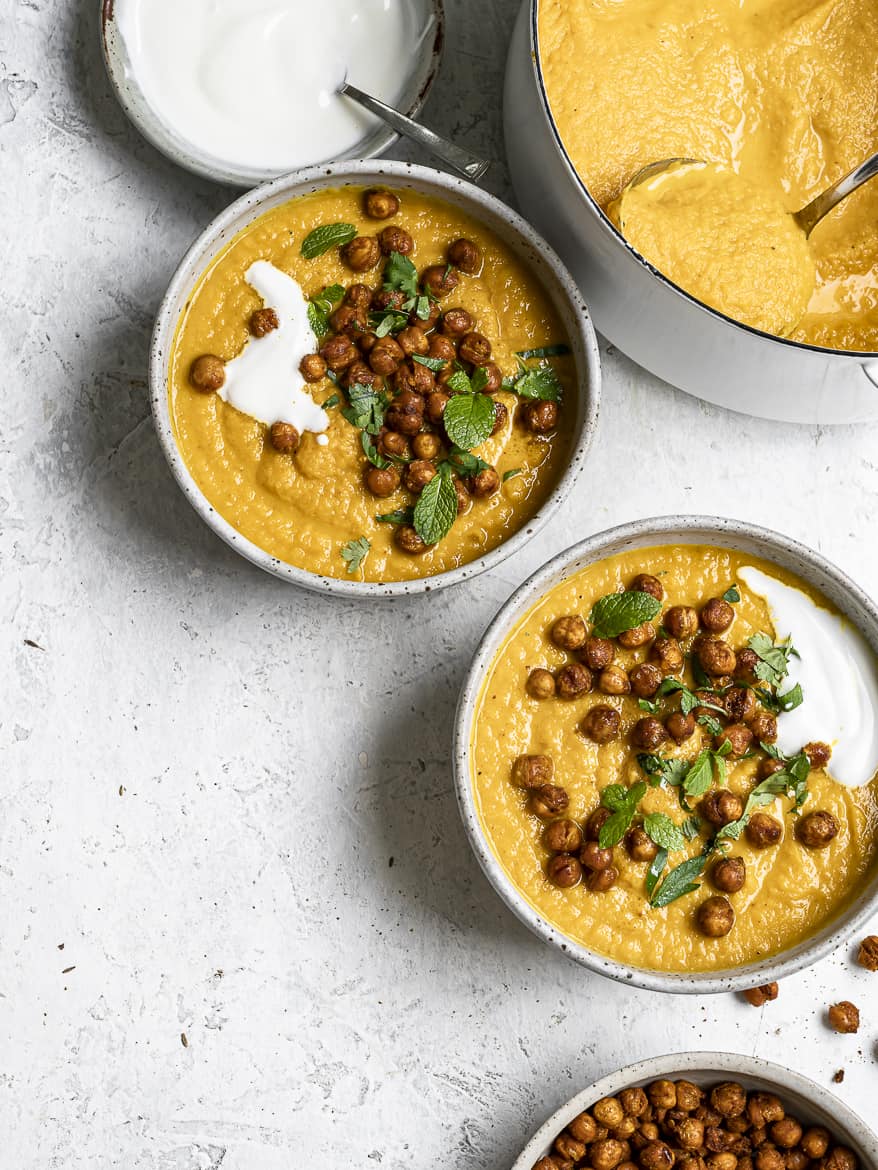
(849, 599)
(165, 138)
(807, 1101)
(514, 232)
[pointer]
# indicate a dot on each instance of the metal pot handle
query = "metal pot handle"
(870, 369)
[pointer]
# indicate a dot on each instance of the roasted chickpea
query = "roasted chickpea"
(584, 1128)
(715, 917)
(386, 356)
(689, 1096)
(361, 254)
(439, 280)
(681, 622)
(738, 736)
(540, 683)
(359, 295)
(563, 871)
(441, 348)
(548, 801)
(634, 1102)
(563, 837)
(645, 680)
(568, 1147)
(594, 858)
(597, 653)
(662, 1094)
(721, 807)
(606, 1154)
(456, 323)
(608, 1111)
(436, 404)
(759, 996)
(646, 583)
(466, 256)
(819, 754)
(392, 444)
(639, 636)
(657, 1156)
(739, 704)
(382, 481)
(395, 239)
(415, 378)
(841, 1158)
(817, 829)
(406, 413)
(349, 319)
(746, 661)
(601, 724)
(764, 1108)
(380, 204)
(815, 1141)
(763, 831)
(340, 352)
(596, 822)
(263, 322)
(413, 340)
(614, 681)
(667, 655)
(532, 771)
(867, 952)
(358, 373)
(680, 727)
(501, 417)
(728, 1099)
(639, 845)
(385, 299)
(786, 1133)
(494, 376)
(601, 880)
(312, 367)
(573, 680)
(689, 1133)
(715, 657)
(729, 874)
(768, 767)
(418, 474)
(648, 734)
(427, 446)
(464, 500)
(569, 632)
(475, 348)
(407, 539)
(484, 483)
(764, 727)
(284, 438)
(540, 416)
(723, 1161)
(844, 1017)
(207, 373)
(717, 615)
(366, 342)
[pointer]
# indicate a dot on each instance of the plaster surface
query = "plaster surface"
(240, 925)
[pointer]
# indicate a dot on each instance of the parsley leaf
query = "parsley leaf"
(436, 509)
(774, 661)
(623, 803)
(330, 235)
(331, 401)
(788, 701)
(371, 451)
(618, 612)
(401, 275)
(670, 772)
(469, 419)
(355, 552)
(390, 321)
(367, 407)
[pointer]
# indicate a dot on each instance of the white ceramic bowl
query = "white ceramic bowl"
(646, 315)
(424, 69)
(806, 1101)
(850, 600)
(485, 208)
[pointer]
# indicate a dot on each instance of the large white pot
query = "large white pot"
(644, 314)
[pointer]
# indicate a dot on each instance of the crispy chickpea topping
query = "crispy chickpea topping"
(263, 322)
(284, 438)
(614, 681)
(532, 771)
(729, 874)
(380, 204)
(361, 254)
(573, 680)
(763, 830)
(540, 683)
(601, 724)
(548, 801)
(817, 829)
(867, 954)
(757, 996)
(563, 837)
(844, 1017)
(715, 917)
(207, 373)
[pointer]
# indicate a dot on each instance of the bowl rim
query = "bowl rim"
(607, 224)
(672, 529)
(482, 205)
(849, 1125)
(164, 137)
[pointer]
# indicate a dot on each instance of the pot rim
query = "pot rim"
(164, 137)
(543, 261)
(830, 1109)
(673, 529)
(607, 224)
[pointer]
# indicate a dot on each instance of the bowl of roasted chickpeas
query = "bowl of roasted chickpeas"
(702, 1111)
(666, 755)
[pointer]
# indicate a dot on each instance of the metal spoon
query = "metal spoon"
(463, 161)
(812, 213)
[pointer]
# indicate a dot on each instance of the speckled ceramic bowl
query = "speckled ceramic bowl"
(808, 1102)
(425, 62)
(811, 567)
(485, 208)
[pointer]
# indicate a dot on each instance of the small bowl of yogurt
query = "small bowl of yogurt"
(242, 91)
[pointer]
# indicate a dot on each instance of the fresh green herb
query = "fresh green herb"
(688, 699)
(464, 463)
(479, 380)
(655, 870)
(663, 832)
(647, 705)
(710, 724)
(544, 351)
(366, 408)
(774, 660)
(623, 803)
(670, 772)
(679, 882)
(371, 451)
(690, 828)
(700, 776)
(702, 678)
(781, 703)
(321, 307)
(331, 402)
(459, 383)
(732, 595)
(355, 552)
(618, 612)
(436, 510)
(330, 235)
(389, 322)
(400, 516)
(434, 364)
(469, 419)
(507, 475)
(541, 383)
(400, 275)
(421, 308)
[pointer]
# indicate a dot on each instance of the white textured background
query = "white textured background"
(231, 802)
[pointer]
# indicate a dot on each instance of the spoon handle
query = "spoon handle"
(467, 164)
(812, 213)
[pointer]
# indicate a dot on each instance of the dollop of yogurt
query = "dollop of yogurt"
(253, 82)
(838, 674)
(264, 380)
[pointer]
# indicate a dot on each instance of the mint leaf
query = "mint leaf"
(434, 364)
(330, 235)
(700, 776)
(366, 409)
(469, 419)
(507, 475)
(623, 801)
(690, 828)
(662, 830)
(670, 772)
(655, 870)
(711, 724)
(779, 704)
(371, 451)
(544, 351)
(355, 552)
(464, 463)
(400, 516)
(479, 380)
(459, 383)
(618, 612)
(679, 882)
(321, 307)
(732, 595)
(331, 401)
(436, 510)
(774, 661)
(402, 276)
(647, 705)
(389, 322)
(542, 384)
